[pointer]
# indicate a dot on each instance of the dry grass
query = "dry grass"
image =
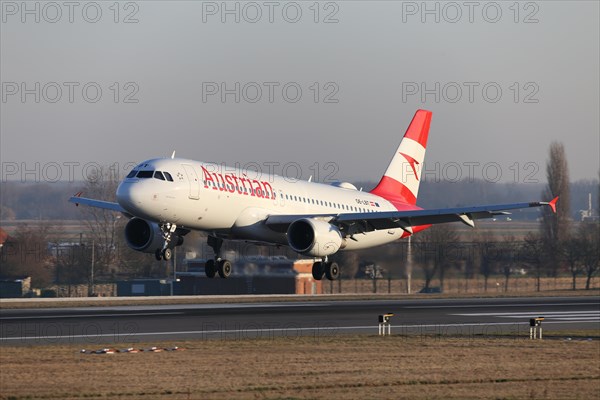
(352, 367)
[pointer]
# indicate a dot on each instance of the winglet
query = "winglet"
(552, 204)
(78, 194)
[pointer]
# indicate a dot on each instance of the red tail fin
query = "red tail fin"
(400, 183)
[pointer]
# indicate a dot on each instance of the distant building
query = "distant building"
(589, 215)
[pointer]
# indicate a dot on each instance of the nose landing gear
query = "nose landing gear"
(166, 252)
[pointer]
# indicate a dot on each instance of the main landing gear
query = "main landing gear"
(166, 252)
(328, 268)
(222, 266)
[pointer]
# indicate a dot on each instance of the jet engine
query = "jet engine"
(145, 236)
(314, 237)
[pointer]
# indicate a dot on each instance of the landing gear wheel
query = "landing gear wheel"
(317, 270)
(209, 269)
(158, 254)
(224, 268)
(332, 271)
(167, 254)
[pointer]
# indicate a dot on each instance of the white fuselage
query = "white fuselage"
(234, 203)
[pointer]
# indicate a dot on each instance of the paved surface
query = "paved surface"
(125, 325)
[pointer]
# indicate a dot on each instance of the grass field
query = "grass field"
(349, 367)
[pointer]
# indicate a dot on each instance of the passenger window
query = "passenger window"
(131, 173)
(168, 176)
(159, 175)
(145, 174)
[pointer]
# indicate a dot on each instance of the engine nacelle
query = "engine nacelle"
(314, 237)
(145, 236)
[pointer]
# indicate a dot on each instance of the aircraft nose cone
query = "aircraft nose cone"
(129, 196)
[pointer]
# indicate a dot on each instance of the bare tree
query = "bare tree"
(572, 251)
(508, 257)
(434, 248)
(7, 213)
(555, 226)
(27, 254)
(532, 254)
(103, 225)
(485, 260)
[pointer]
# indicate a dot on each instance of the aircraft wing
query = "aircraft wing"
(352, 223)
(107, 205)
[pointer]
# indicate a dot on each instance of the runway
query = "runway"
(324, 318)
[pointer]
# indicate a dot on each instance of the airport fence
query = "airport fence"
(495, 284)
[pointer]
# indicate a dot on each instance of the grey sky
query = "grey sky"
(372, 60)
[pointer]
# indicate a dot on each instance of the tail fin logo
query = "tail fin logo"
(413, 163)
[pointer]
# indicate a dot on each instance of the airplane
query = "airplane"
(166, 198)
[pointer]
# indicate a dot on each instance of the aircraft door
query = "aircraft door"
(193, 181)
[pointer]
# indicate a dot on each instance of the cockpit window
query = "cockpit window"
(159, 175)
(168, 176)
(132, 173)
(145, 174)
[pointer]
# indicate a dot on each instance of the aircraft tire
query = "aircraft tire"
(225, 268)
(332, 271)
(167, 254)
(317, 270)
(209, 269)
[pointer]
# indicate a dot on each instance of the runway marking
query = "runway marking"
(91, 315)
(591, 316)
(546, 313)
(272, 331)
(507, 305)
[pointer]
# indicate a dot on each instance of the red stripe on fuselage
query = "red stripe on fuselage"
(394, 191)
